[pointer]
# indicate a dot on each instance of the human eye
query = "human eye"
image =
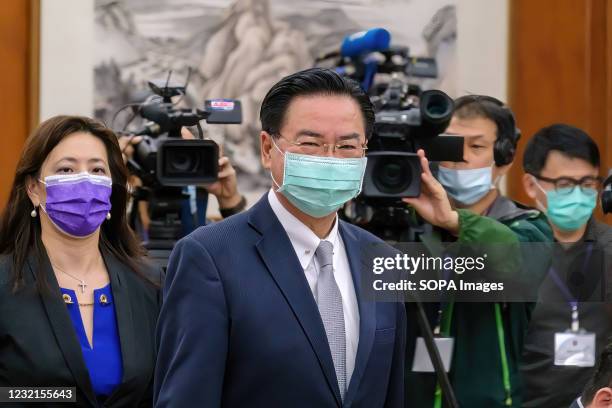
(64, 170)
(565, 183)
(99, 170)
(310, 143)
(590, 182)
(347, 146)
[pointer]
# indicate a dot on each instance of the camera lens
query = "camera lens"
(183, 161)
(392, 176)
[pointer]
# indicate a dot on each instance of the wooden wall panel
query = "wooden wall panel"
(608, 142)
(560, 71)
(18, 84)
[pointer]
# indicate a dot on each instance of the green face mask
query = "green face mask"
(319, 186)
(570, 210)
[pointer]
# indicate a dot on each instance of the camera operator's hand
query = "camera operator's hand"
(226, 187)
(126, 144)
(433, 203)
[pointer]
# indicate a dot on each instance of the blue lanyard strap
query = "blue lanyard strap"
(571, 300)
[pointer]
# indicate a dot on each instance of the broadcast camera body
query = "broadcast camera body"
(163, 158)
(166, 163)
(405, 123)
(407, 119)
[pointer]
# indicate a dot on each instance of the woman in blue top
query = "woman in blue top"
(78, 306)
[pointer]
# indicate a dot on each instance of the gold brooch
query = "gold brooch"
(67, 299)
(103, 299)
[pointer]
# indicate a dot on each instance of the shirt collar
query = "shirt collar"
(303, 240)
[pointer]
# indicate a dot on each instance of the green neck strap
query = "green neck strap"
(445, 325)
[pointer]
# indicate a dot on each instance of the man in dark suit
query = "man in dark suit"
(266, 309)
(598, 392)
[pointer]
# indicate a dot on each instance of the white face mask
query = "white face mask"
(466, 186)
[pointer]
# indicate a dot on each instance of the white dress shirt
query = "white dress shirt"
(305, 242)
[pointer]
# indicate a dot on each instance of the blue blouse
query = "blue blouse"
(103, 360)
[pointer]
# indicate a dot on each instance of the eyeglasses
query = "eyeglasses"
(312, 146)
(566, 185)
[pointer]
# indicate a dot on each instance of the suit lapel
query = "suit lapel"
(62, 325)
(125, 322)
(281, 261)
(367, 312)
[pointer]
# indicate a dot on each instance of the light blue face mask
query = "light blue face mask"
(569, 210)
(319, 186)
(466, 186)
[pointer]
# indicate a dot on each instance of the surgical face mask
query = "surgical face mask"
(569, 210)
(466, 186)
(77, 204)
(319, 186)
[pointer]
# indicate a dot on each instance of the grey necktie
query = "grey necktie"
(329, 301)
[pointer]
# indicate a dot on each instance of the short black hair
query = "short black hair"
(313, 81)
(488, 107)
(602, 375)
(569, 140)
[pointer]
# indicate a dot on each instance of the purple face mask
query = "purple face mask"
(77, 203)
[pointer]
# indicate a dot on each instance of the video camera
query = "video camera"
(405, 123)
(407, 119)
(166, 163)
(163, 158)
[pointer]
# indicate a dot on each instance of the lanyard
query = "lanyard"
(571, 300)
(445, 320)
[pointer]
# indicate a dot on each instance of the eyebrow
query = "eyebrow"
(312, 133)
(472, 138)
(73, 160)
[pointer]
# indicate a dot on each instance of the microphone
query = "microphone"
(363, 42)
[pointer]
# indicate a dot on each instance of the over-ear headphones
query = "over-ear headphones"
(508, 134)
(504, 148)
(606, 195)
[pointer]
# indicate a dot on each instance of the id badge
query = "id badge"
(575, 349)
(422, 363)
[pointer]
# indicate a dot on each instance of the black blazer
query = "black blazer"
(39, 346)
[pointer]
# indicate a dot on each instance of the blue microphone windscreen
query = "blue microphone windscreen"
(375, 39)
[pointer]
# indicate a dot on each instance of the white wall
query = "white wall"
(66, 57)
(482, 47)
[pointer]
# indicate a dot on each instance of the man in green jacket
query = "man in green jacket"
(488, 337)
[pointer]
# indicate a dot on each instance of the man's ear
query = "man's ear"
(529, 186)
(602, 398)
(503, 170)
(266, 149)
(33, 189)
(499, 172)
